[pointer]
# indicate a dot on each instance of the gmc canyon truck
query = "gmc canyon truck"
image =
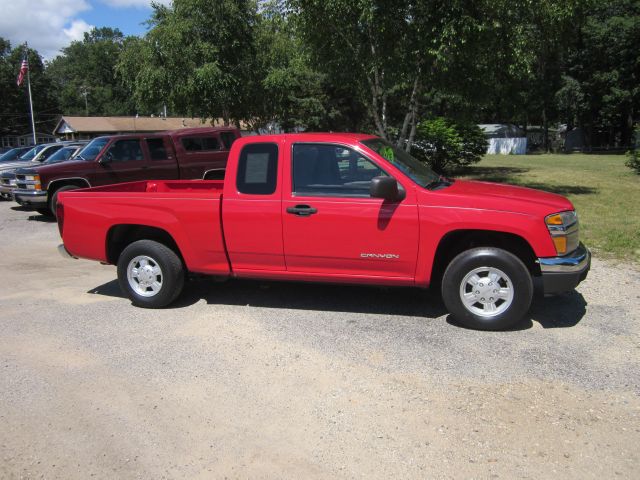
(340, 208)
(188, 153)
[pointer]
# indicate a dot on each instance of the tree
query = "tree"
(85, 79)
(606, 62)
(386, 52)
(287, 91)
(197, 59)
(14, 104)
(446, 145)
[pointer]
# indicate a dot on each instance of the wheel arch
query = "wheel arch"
(120, 236)
(63, 182)
(455, 242)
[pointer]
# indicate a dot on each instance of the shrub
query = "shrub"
(446, 145)
(633, 157)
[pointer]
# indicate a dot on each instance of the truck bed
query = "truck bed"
(206, 187)
(189, 211)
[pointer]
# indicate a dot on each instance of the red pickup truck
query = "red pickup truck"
(336, 208)
(187, 153)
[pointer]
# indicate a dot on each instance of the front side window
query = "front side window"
(330, 170)
(258, 169)
(125, 151)
(200, 144)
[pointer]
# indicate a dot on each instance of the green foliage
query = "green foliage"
(14, 103)
(633, 156)
(197, 58)
(570, 101)
(446, 145)
(84, 76)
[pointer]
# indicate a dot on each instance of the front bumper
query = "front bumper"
(563, 274)
(31, 198)
(6, 191)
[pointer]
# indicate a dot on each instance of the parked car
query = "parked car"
(36, 155)
(296, 207)
(8, 177)
(193, 153)
(13, 154)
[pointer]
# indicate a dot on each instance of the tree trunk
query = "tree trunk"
(411, 113)
(545, 130)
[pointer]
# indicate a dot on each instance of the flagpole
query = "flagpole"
(33, 122)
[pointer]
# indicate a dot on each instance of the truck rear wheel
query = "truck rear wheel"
(150, 274)
(487, 289)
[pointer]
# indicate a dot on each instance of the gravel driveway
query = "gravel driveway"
(264, 380)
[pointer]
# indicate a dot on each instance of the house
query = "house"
(83, 128)
(25, 139)
(504, 138)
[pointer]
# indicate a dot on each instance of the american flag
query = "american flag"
(23, 69)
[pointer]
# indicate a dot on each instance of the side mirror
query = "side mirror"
(387, 188)
(106, 158)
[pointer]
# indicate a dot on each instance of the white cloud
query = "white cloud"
(48, 25)
(77, 29)
(134, 3)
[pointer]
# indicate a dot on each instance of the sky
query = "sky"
(49, 25)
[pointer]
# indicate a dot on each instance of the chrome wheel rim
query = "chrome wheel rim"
(486, 291)
(144, 275)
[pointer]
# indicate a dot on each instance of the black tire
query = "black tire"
(172, 274)
(53, 203)
(509, 310)
(44, 211)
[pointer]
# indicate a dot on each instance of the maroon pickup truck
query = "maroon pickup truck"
(193, 153)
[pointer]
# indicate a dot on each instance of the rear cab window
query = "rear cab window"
(258, 169)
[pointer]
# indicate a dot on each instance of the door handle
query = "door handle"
(302, 210)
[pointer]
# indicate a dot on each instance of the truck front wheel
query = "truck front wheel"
(487, 289)
(150, 274)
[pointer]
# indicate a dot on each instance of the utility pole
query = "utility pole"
(84, 91)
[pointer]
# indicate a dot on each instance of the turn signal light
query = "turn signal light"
(561, 244)
(554, 219)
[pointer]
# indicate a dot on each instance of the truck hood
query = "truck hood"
(4, 166)
(70, 166)
(499, 197)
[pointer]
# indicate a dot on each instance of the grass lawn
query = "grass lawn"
(605, 192)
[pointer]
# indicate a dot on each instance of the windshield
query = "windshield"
(93, 148)
(32, 153)
(11, 154)
(61, 155)
(412, 168)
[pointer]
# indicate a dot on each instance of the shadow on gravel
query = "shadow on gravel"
(301, 296)
(36, 217)
(562, 311)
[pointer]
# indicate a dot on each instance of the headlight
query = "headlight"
(563, 227)
(33, 182)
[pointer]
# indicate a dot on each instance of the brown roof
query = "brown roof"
(129, 124)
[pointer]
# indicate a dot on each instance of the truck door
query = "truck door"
(162, 159)
(251, 210)
(122, 161)
(331, 225)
